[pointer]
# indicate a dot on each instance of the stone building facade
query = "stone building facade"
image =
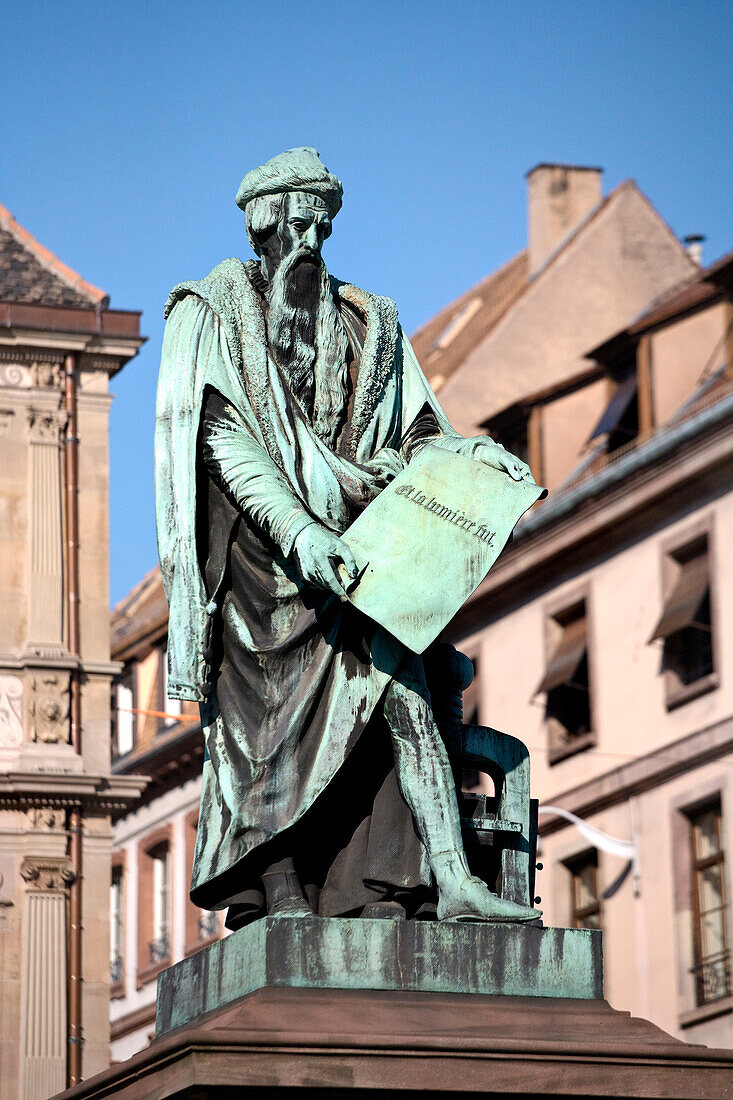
(60, 343)
(627, 427)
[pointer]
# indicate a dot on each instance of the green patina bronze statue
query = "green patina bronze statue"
(287, 401)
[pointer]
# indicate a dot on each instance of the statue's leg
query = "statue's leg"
(428, 787)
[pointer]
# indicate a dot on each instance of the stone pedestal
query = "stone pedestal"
(421, 956)
(278, 1009)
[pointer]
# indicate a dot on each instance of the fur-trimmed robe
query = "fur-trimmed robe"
(312, 670)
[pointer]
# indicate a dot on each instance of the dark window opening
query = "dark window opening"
(619, 422)
(712, 969)
(627, 427)
(568, 705)
(566, 684)
(585, 898)
(685, 625)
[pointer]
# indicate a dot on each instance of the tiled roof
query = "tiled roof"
(31, 274)
(140, 615)
(443, 343)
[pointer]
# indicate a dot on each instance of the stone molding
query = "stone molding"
(100, 793)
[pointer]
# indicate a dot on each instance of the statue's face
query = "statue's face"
(304, 225)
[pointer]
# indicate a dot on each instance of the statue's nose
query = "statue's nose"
(311, 238)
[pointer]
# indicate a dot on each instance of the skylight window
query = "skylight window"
(457, 324)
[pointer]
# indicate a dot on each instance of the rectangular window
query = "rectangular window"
(710, 899)
(117, 926)
(160, 943)
(685, 625)
(566, 683)
(124, 726)
(585, 899)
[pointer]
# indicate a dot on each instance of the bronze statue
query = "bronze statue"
(287, 401)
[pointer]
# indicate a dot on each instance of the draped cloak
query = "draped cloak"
(315, 670)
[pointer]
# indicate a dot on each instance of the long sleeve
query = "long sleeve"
(243, 470)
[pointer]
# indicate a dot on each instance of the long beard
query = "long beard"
(308, 340)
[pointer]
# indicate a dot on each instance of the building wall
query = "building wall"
(681, 353)
(133, 1004)
(648, 936)
(599, 282)
(624, 591)
(564, 430)
(43, 773)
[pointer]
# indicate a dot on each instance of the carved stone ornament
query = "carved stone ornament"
(42, 873)
(46, 425)
(15, 376)
(48, 708)
(11, 721)
(41, 818)
(47, 374)
(6, 419)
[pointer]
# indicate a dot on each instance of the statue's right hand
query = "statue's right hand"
(318, 554)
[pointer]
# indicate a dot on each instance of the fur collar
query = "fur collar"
(230, 290)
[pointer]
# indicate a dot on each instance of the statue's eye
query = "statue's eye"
(299, 224)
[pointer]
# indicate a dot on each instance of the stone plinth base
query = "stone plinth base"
(424, 956)
(332, 1043)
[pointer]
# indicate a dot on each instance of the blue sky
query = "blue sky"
(127, 127)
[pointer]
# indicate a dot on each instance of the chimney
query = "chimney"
(559, 197)
(693, 247)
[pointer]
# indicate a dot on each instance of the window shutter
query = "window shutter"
(685, 598)
(566, 658)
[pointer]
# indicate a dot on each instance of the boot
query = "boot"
(462, 896)
(283, 891)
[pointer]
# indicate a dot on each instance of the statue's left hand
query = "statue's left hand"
(493, 454)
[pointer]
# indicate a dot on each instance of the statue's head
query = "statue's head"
(289, 204)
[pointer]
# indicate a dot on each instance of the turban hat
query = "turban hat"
(294, 170)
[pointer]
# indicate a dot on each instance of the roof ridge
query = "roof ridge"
(51, 262)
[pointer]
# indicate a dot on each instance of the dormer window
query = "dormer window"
(620, 419)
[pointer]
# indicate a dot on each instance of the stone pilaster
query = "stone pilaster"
(44, 977)
(46, 610)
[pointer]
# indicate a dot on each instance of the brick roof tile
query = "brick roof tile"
(30, 273)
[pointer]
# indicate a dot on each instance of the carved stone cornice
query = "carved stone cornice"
(22, 790)
(47, 873)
